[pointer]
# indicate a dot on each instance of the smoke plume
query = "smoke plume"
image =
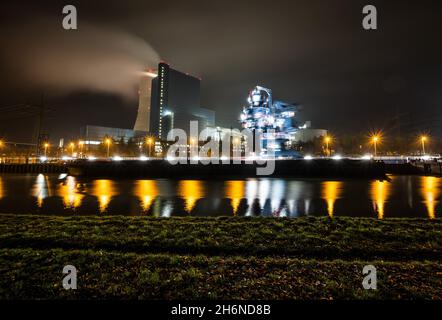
(42, 56)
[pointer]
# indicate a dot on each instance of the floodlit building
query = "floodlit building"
(276, 123)
(274, 120)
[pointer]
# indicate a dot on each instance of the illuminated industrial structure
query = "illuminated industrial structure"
(274, 121)
(274, 125)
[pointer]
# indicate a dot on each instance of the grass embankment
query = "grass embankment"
(228, 258)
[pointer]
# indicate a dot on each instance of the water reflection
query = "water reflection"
(379, 193)
(235, 192)
(295, 190)
(331, 191)
(69, 193)
(167, 209)
(104, 190)
(146, 191)
(263, 193)
(430, 193)
(191, 191)
(40, 189)
(251, 194)
(250, 197)
(277, 200)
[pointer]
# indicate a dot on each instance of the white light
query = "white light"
(337, 157)
(256, 97)
(366, 157)
(150, 74)
(144, 158)
(62, 176)
(43, 159)
(170, 158)
(117, 158)
(426, 158)
(224, 158)
(91, 158)
(93, 142)
(66, 158)
(308, 157)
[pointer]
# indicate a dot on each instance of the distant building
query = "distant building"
(175, 102)
(307, 135)
(94, 135)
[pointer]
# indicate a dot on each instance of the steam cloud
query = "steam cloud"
(47, 57)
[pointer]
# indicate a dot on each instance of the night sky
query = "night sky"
(315, 53)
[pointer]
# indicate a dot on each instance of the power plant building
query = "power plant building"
(276, 123)
(174, 102)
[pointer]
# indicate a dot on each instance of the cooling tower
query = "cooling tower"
(143, 117)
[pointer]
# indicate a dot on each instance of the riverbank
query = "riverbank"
(293, 168)
(222, 258)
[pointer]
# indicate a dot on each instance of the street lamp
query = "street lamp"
(236, 142)
(327, 142)
(192, 146)
(72, 145)
(149, 143)
(80, 144)
(108, 142)
(1, 146)
(423, 140)
(375, 142)
(46, 146)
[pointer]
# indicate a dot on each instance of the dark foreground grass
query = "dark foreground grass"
(219, 258)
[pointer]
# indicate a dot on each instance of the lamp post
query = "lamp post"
(327, 142)
(149, 143)
(108, 142)
(423, 140)
(191, 147)
(46, 146)
(375, 142)
(80, 144)
(236, 142)
(1, 146)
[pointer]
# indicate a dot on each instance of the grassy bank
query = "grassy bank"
(260, 258)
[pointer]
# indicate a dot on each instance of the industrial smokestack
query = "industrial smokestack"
(145, 92)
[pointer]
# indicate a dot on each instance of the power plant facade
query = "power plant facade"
(170, 100)
(176, 100)
(274, 120)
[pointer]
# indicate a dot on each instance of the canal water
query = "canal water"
(402, 196)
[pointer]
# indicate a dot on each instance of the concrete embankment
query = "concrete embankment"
(321, 168)
(418, 168)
